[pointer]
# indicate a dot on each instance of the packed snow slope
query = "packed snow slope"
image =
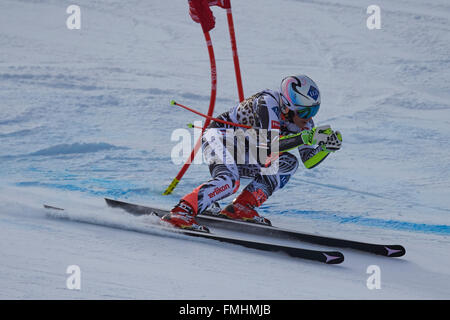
(85, 114)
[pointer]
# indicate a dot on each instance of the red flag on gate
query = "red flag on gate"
(201, 13)
(221, 3)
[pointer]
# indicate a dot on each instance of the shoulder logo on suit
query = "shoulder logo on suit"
(276, 110)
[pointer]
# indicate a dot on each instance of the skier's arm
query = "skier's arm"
(314, 145)
(267, 119)
(296, 140)
(327, 140)
(311, 157)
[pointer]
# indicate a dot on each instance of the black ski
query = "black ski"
(328, 257)
(212, 220)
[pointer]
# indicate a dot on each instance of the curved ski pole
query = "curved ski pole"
(212, 102)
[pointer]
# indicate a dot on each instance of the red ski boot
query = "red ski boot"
(242, 208)
(183, 216)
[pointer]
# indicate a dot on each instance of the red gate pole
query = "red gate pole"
(212, 102)
(237, 68)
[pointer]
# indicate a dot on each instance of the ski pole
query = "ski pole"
(174, 103)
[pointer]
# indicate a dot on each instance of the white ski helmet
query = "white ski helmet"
(301, 95)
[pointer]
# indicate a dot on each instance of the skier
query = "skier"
(287, 113)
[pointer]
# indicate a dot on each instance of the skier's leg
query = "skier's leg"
(223, 170)
(224, 182)
(262, 187)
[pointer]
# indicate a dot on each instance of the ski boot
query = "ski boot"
(183, 216)
(242, 208)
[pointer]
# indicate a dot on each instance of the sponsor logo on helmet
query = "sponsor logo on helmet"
(313, 93)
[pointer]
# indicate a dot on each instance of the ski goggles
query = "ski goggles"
(307, 112)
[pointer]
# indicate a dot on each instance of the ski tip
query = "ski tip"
(112, 202)
(46, 206)
(333, 257)
(395, 251)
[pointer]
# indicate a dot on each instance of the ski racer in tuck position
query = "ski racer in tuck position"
(287, 118)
